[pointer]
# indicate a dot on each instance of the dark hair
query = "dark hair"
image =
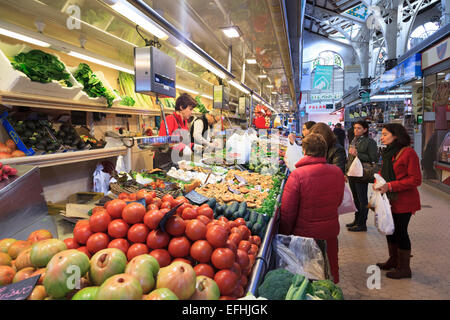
(314, 145)
(399, 131)
(325, 131)
(338, 125)
(184, 101)
(363, 124)
(309, 124)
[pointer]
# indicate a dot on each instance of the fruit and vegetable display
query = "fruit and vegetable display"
(42, 67)
(6, 172)
(126, 85)
(281, 284)
(92, 84)
(68, 136)
(9, 150)
(189, 176)
(126, 100)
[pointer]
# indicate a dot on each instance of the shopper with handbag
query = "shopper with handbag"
(401, 170)
(365, 149)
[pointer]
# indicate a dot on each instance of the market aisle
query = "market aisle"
(430, 241)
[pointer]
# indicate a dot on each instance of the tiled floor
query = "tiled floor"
(429, 231)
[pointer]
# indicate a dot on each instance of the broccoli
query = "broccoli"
(276, 284)
(327, 290)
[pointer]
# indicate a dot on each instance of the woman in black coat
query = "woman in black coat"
(336, 153)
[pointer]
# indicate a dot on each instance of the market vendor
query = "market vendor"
(177, 124)
(201, 130)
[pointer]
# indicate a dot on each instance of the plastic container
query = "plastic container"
(12, 80)
(14, 136)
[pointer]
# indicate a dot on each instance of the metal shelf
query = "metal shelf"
(56, 159)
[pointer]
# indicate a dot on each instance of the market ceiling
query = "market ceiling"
(200, 21)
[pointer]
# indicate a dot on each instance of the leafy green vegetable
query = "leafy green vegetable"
(126, 84)
(41, 67)
(327, 290)
(299, 289)
(200, 106)
(92, 85)
(276, 284)
(126, 100)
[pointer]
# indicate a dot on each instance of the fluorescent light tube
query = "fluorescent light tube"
(257, 98)
(100, 62)
(206, 96)
(274, 92)
(194, 56)
(231, 32)
(262, 76)
(251, 61)
(23, 37)
(135, 15)
(239, 86)
(186, 89)
(269, 86)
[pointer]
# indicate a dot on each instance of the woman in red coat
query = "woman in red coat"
(311, 197)
(401, 170)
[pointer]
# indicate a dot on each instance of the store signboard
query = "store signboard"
(436, 54)
(323, 76)
(319, 108)
(404, 72)
(326, 96)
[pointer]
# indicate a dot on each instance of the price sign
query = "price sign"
(19, 290)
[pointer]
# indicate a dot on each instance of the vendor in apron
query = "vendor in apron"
(177, 124)
(201, 132)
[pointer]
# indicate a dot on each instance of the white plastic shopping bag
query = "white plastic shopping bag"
(101, 180)
(356, 168)
(379, 203)
(347, 205)
(293, 154)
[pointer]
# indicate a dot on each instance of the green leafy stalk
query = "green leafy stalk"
(92, 85)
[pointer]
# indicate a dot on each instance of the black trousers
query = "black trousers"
(359, 191)
(400, 235)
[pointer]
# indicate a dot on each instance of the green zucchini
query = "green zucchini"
(220, 209)
(211, 203)
(253, 217)
(228, 213)
(256, 228)
(246, 215)
(242, 209)
(260, 219)
(235, 215)
(249, 224)
(234, 206)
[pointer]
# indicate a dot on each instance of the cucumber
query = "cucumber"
(243, 207)
(256, 228)
(220, 209)
(253, 216)
(211, 203)
(249, 225)
(228, 213)
(260, 219)
(235, 215)
(266, 218)
(234, 206)
(246, 215)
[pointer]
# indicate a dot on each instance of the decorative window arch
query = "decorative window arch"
(336, 88)
(421, 33)
(328, 58)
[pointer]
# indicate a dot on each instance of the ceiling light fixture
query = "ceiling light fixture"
(133, 14)
(102, 62)
(269, 86)
(194, 56)
(22, 37)
(232, 32)
(251, 61)
(238, 86)
(262, 76)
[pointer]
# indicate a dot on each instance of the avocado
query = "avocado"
(30, 124)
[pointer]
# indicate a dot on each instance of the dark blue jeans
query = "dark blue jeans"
(359, 191)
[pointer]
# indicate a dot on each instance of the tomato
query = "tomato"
(167, 197)
(115, 208)
(195, 230)
(157, 239)
(71, 243)
(145, 194)
(182, 198)
(162, 256)
(188, 214)
(136, 250)
(236, 238)
(166, 204)
(205, 205)
(157, 201)
(152, 194)
(242, 258)
(203, 269)
(251, 258)
(81, 233)
(133, 213)
(179, 247)
(236, 230)
(211, 223)
(203, 219)
(182, 207)
(132, 196)
(118, 228)
(107, 204)
(238, 292)
(206, 211)
(96, 242)
(231, 245)
(121, 244)
(240, 221)
(175, 226)
(98, 209)
(245, 232)
(232, 225)
(141, 194)
(256, 240)
(244, 280)
(226, 281)
(225, 225)
(223, 219)
(152, 218)
(99, 221)
(244, 245)
(201, 251)
(138, 233)
(123, 195)
(222, 258)
(182, 260)
(152, 206)
(217, 236)
(85, 251)
(253, 249)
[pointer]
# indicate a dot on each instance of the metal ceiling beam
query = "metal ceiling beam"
(326, 14)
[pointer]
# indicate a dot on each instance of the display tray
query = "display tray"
(118, 189)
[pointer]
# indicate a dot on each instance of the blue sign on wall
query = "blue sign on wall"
(406, 71)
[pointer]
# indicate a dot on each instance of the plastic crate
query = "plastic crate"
(14, 136)
(12, 80)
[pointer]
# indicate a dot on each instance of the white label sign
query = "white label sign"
(319, 108)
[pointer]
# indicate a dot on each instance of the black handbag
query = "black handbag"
(369, 169)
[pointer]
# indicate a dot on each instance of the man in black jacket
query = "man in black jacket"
(351, 133)
(340, 134)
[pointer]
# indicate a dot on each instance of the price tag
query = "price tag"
(19, 290)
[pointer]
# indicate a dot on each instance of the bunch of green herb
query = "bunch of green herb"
(270, 201)
(126, 100)
(92, 85)
(200, 106)
(41, 67)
